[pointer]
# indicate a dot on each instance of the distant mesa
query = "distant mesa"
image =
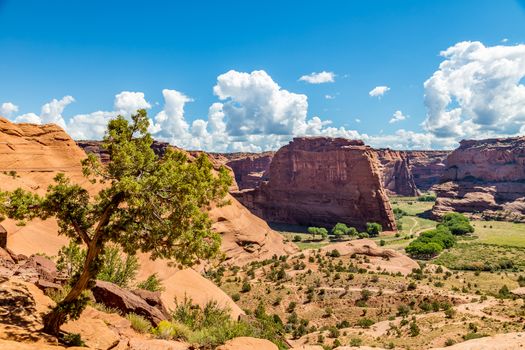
(322, 181)
(485, 178)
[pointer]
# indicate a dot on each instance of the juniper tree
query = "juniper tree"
(149, 203)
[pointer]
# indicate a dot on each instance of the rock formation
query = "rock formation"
(485, 177)
(322, 181)
(396, 174)
(249, 169)
(426, 167)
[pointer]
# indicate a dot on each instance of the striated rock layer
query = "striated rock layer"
(249, 169)
(426, 167)
(322, 181)
(485, 177)
(396, 174)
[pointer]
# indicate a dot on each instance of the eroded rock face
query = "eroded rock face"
(250, 169)
(321, 181)
(396, 174)
(485, 177)
(427, 167)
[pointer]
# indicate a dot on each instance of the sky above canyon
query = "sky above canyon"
(251, 75)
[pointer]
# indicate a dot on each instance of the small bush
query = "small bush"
(171, 330)
(246, 287)
(152, 283)
(72, 339)
(139, 323)
(365, 322)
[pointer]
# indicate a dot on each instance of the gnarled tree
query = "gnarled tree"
(147, 203)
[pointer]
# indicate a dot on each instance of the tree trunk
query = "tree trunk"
(58, 316)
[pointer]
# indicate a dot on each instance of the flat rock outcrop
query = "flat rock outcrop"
(485, 177)
(321, 181)
(427, 167)
(396, 173)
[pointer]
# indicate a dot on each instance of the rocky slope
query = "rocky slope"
(396, 173)
(486, 177)
(426, 167)
(322, 181)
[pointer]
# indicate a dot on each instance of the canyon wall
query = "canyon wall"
(322, 181)
(250, 169)
(485, 177)
(427, 167)
(396, 174)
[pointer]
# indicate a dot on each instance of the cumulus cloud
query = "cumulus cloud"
(318, 78)
(477, 92)
(128, 102)
(397, 117)
(52, 111)
(8, 108)
(379, 91)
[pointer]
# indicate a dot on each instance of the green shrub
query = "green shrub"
(171, 330)
(152, 283)
(246, 287)
(72, 339)
(365, 322)
(236, 297)
(297, 238)
(373, 228)
(139, 323)
(430, 197)
(117, 267)
(457, 223)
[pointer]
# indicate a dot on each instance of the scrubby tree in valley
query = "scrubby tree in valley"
(147, 203)
(457, 223)
(373, 228)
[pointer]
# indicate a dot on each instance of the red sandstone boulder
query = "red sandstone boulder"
(321, 181)
(113, 296)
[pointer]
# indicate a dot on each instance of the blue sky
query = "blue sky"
(94, 50)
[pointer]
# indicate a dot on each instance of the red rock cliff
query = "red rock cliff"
(322, 181)
(426, 167)
(250, 169)
(396, 174)
(487, 177)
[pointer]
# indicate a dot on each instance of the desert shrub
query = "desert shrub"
(423, 250)
(431, 243)
(373, 228)
(356, 342)
(152, 283)
(334, 253)
(72, 339)
(171, 330)
(236, 297)
(297, 238)
(399, 213)
(139, 323)
(365, 322)
(363, 235)
(414, 329)
(521, 280)
(246, 287)
(449, 342)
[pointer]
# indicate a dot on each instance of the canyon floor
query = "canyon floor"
(335, 299)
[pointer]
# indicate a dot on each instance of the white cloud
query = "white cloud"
(357, 120)
(52, 111)
(329, 97)
(504, 40)
(477, 92)
(128, 102)
(397, 117)
(318, 78)
(8, 108)
(28, 118)
(379, 91)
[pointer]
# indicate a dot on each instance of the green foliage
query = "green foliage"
(429, 197)
(211, 326)
(152, 283)
(118, 268)
(297, 238)
(115, 267)
(365, 322)
(147, 203)
(318, 231)
(457, 223)
(139, 323)
(72, 339)
(373, 228)
(431, 243)
(399, 213)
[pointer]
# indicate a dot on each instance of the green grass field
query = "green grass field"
(500, 233)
